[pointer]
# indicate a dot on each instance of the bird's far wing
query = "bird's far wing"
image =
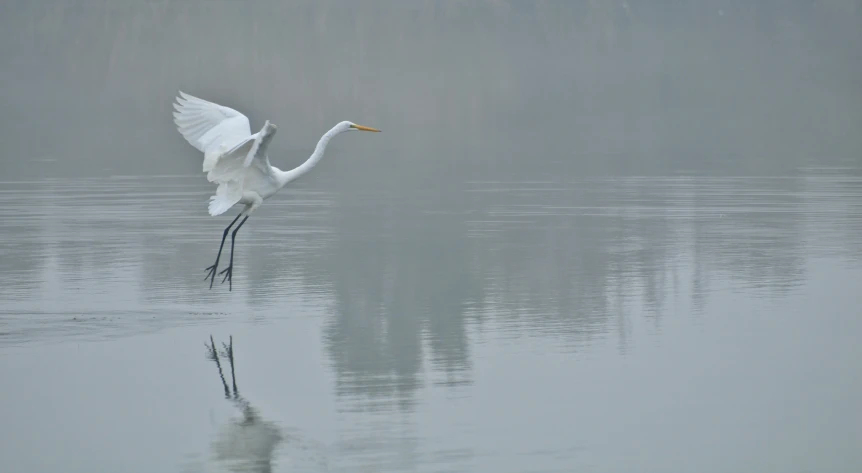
(232, 163)
(230, 168)
(209, 127)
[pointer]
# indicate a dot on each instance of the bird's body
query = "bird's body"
(237, 160)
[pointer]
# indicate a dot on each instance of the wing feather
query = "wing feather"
(224, 136)
(230, 168)
(251, 151)
(206, 124)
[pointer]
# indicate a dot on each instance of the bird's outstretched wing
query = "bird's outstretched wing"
(229, 148)
(208, 126)
(251, 150)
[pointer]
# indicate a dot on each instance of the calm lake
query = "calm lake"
(576, 246)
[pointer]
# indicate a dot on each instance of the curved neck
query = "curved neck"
(312, 161)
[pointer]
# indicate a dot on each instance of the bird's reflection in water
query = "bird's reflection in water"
(245, 444)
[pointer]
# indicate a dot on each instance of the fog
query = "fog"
(456, 86)
(594, 235)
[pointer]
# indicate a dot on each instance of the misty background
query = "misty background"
(583, 220)
(604, 85)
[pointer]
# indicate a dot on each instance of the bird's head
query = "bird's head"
(350, 126)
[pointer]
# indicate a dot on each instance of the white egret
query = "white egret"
(237, 161)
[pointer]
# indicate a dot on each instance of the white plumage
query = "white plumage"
(224, 136)
(237, 161)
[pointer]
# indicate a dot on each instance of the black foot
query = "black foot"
(211, 272)
(228, 272)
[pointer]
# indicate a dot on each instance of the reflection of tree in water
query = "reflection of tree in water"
(633, 242)
(833, 210)
(403, 267)
(752, 231)
(566, 257)
(26, 215)
(569, 259)
(401, 284)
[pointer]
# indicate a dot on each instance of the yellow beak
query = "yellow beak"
(364, 128)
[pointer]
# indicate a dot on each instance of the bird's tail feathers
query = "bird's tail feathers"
(227, 195)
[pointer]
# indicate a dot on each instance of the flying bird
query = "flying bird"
(237, 161)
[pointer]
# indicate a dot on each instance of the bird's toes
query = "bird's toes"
(227, 274)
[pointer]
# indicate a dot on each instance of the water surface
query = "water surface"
(546, 325)
(600, 237)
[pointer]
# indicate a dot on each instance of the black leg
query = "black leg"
(228, 272)
(229, 351)
(212, 269)
(213, 355)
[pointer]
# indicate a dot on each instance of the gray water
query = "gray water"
(591, 237)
